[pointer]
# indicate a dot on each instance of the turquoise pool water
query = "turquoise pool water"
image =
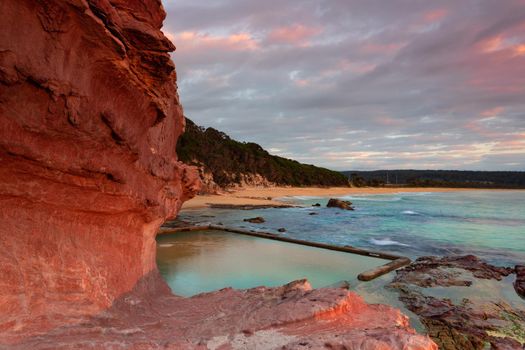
(196, 262)
(490, 224)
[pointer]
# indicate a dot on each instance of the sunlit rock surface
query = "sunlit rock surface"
(89, 118)
(289, 317)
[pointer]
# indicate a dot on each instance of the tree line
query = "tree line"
(228, 160)
(438, 178)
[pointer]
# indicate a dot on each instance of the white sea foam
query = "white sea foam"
(378, 198)
(296, 198)
(306, 198)
(387, 241)
(415, 193)
(410, 212)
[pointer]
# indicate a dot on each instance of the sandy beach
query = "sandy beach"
(268, 195)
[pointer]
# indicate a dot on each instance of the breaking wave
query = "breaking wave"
(387, 241)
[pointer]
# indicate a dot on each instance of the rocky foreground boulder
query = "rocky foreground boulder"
(89, 119)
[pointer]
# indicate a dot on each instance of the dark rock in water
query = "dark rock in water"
(431, 271)
(282, 229)
(519, 284)
(316, 205)
(256, 220)
(337, 203)
(469, 324)
(313, 214)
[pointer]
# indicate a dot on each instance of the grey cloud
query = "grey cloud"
(410, 76)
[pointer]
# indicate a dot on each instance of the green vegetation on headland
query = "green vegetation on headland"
(438, 178)
(229, 161)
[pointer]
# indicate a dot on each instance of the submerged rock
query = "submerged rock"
(282, 229)
(465, 325)
(256, 220)
(519, 284)
(337, 203)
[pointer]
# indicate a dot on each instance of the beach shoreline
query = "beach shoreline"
(271, 195)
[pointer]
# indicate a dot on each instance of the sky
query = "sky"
(358, 84)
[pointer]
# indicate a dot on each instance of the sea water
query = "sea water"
(489, 224)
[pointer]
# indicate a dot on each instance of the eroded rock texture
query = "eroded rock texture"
(290, 317)
(89, 118)
(477, 323)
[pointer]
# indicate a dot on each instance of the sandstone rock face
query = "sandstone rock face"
(290, 317)
(89, 118)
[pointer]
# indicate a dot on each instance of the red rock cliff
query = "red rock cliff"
(89, 118)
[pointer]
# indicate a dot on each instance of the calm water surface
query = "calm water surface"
(196, 262)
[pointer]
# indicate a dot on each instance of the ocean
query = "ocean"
(489, 224)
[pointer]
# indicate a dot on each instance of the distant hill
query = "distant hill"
(227, 163)
(438, 178)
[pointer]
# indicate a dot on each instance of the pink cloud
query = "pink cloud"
(489, 113)
(519, 50)
(492, 44)
(388, 121)
(296, 34)
(435, 15)
(355, 67)
(232, 42)
(390, 48)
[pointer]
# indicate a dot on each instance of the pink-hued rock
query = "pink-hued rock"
(289, 317)
(89, 119)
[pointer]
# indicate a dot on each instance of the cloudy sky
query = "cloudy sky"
(358, 84)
